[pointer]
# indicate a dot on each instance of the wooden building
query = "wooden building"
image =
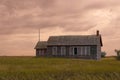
(41, 48)
(81, 46)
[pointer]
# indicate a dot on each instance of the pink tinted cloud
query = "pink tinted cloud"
(75, 16)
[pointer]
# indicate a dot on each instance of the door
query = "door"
(75, 51)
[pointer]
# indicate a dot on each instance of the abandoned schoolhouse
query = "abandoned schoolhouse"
(77, 46)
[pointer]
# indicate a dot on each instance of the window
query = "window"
(85, 51)
(39, 52)
(88, 50)
(63, 51)
(54, 51)
(93, 50)
(71, 51)
(81, 51)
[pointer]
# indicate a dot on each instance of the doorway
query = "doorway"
(75, 51)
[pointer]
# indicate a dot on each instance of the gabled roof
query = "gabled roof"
(75, 40)
(41, 45)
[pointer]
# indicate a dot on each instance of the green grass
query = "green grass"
(32, 68)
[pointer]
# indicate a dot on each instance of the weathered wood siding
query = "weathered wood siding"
(98, 52)
(49, 51)
(82, 51)
(41, 52)
(93, 52)
(37, 52)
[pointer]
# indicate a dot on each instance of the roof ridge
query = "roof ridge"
(71, 35)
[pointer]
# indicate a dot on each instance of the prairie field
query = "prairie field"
(34, 68)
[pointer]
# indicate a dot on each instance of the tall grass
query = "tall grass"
(32, 68)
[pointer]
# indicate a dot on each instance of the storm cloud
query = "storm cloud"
(21, 19)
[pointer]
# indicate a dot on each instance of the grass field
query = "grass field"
(32, 68)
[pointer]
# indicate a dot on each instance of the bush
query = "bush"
(103, 54)
(118, 57)
(118, 54)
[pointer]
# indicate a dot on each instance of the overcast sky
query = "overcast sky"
(21, 19)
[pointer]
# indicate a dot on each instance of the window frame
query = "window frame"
(54, 51)
(63, 51)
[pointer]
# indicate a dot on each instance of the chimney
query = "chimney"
(97, 33)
